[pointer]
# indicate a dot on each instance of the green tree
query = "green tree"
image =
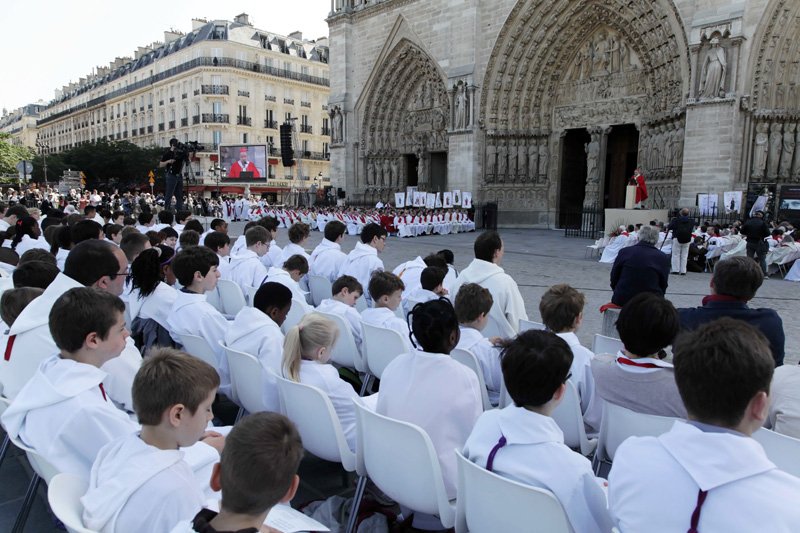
(11, 154)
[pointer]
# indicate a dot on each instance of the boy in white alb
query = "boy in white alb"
(327, 258)
(273, 257)
(246, 269)
(256, 331)
(386, 290)
(141, 482)
(220, 244)
(363, 260)
(430, 288)
(561, 308)
(710, 474)
(346, 290)
(522, 442)
(298, 235)
(289, 276)
(472, 306)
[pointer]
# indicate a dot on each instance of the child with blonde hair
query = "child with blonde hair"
(306, 352)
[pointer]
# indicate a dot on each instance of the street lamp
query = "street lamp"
(43, 148)
(217, 171)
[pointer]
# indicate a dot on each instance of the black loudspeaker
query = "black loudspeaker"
(340, 193)
(287, 153)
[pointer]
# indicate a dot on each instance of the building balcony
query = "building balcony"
(196, 119)
(184, 122)
(245, 94)
(171, 99)
(141, 131)
(161, 127)
(269, 98)
(220, 90)
(184, 96)
(305, 104)
(289, 101)
(172, 124)
(320, 156)
(306, 128)
(326, 131)
(215, 118)
(244, 121)
(271, 124)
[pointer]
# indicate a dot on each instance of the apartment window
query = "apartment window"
(304, 70)
(216, 108)
(288, 117)
(244, 138)
(217, 137)
(287, 65)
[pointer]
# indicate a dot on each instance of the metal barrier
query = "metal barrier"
(587, 223)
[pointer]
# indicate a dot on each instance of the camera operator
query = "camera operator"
(173, 159)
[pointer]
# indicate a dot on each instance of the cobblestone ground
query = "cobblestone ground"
(538, 259)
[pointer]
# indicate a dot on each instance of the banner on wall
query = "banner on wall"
(438, 204)
(732, 201)
(447, 199)
(456, 197)
(399, 200)
(419, 199)
(708, 204)
(430, 200)
(466, 200)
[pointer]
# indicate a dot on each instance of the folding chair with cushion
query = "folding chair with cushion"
(488, 503)
(468, 359)
(400, 459)
(64, 495)
(379, 348)
(251, 295)
(320, 288)
(569, 418)
(296, 314)
(247, 381)
(230, 294)
(619, 423)
(782, 450)
(344, 352)
(603, 344)
(525, 325)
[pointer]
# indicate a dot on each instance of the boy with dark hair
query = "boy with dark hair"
(83, 230)
(735, 282)
(712, 475)
(298, 235)
(363, 260)
(117, 217)
(146, 222)
(472, 306)
(523, 442)
(258, 470)
(636, 378)
(39, 274)
(327, 258)
(133, 244)
(36, 254)
(289, 276)
(196, 271)
(509, 307)
(181, 218)
(113, 233)
(431, 287)
(141, 481)
(273, 257)
(189, 239)
(561, 308)
(241, 242)
(245, 268)
(169, 237)
(11, 215)
(257, 331)
(220, 243)
(165, 220)
(345, 291)
(386, 291)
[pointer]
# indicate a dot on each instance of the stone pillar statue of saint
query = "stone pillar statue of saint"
(337, 119)
(491, 160)
(775, 144)
(533, 159)
(544, 160)
(592, 189)
(760, 149)
(502, 160)
(461, 107)
(712, 76)
(785, 171)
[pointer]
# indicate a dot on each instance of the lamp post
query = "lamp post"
(217, 171)
(43, 148)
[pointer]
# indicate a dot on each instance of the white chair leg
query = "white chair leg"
(365, 384)
(27, 503)
(359, 494)
(239, 415)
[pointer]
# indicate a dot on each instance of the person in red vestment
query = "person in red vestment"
(641, 188)
(243, 165)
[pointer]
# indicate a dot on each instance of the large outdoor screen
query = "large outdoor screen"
(244, 162)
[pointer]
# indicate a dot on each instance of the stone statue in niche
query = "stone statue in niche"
(461, 107)
(386, 178)
(502, 160)
(592, 154)
(370, 172)
(395, 175)
(422, 170)
(775, 143)
(533, 159)
(337, 119)
(544, 158)
(512, 159)
(785, 171)
(760, 150)
(491, 159)
(712, 76)
(522, 160)
(679, 139)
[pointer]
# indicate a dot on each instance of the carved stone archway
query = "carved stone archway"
(631, 66)
(405, 113)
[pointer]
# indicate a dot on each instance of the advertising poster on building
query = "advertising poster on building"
(244, 162)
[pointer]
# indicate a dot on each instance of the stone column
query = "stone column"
(471, 106)
(595, 166)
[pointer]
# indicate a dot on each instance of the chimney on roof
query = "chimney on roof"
(296, 35)
(198, 23)
(242, 18)
(171, 35)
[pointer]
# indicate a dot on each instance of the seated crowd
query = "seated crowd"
(101, 387)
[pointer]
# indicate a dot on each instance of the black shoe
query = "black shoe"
(683, 273)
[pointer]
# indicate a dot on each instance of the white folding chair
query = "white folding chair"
(505, 399)
(569, 418)
(361, 303)
(488, 503)
(603, 344)
(782, 450)
(295, 315)
(498, 327)
(64, 495)
(231, 296)
(214, 299)
(379, 348)
(248, 382)
(251, 295)
(320, 288)
(24, 358)
(619, 423)
(525, 325)
(400, 459)
(200, 348)
(468, 359)
(344, 352)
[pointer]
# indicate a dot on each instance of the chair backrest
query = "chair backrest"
(320, 288)
(215, 299)
(295, 315)
(380, 346)
(468, 359)
(344, 352)
(569, 418)
(525, 325)
(28, 351)
(231, 296)
(782, 450)
(64, 495)
(488, 503)
(39, 464)
(250, 295)
(199, 347)
(498, 326)
(505, 400)
(400, 459)
(312, 412)
(603, 344)
(247, 380)
(361, 303)
(619, 423)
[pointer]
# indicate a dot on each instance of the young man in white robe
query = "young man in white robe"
(509, 307)
(710, 473)
(141, 481)
(522, 442)
(257, 331)
(245, 268)
(289, 276)
(220, 244)
(298, 235)
(386, 291)
(327, 258)
(430, 287)
(363, 260)
(345, 291)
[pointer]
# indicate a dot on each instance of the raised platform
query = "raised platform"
(619, 217)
